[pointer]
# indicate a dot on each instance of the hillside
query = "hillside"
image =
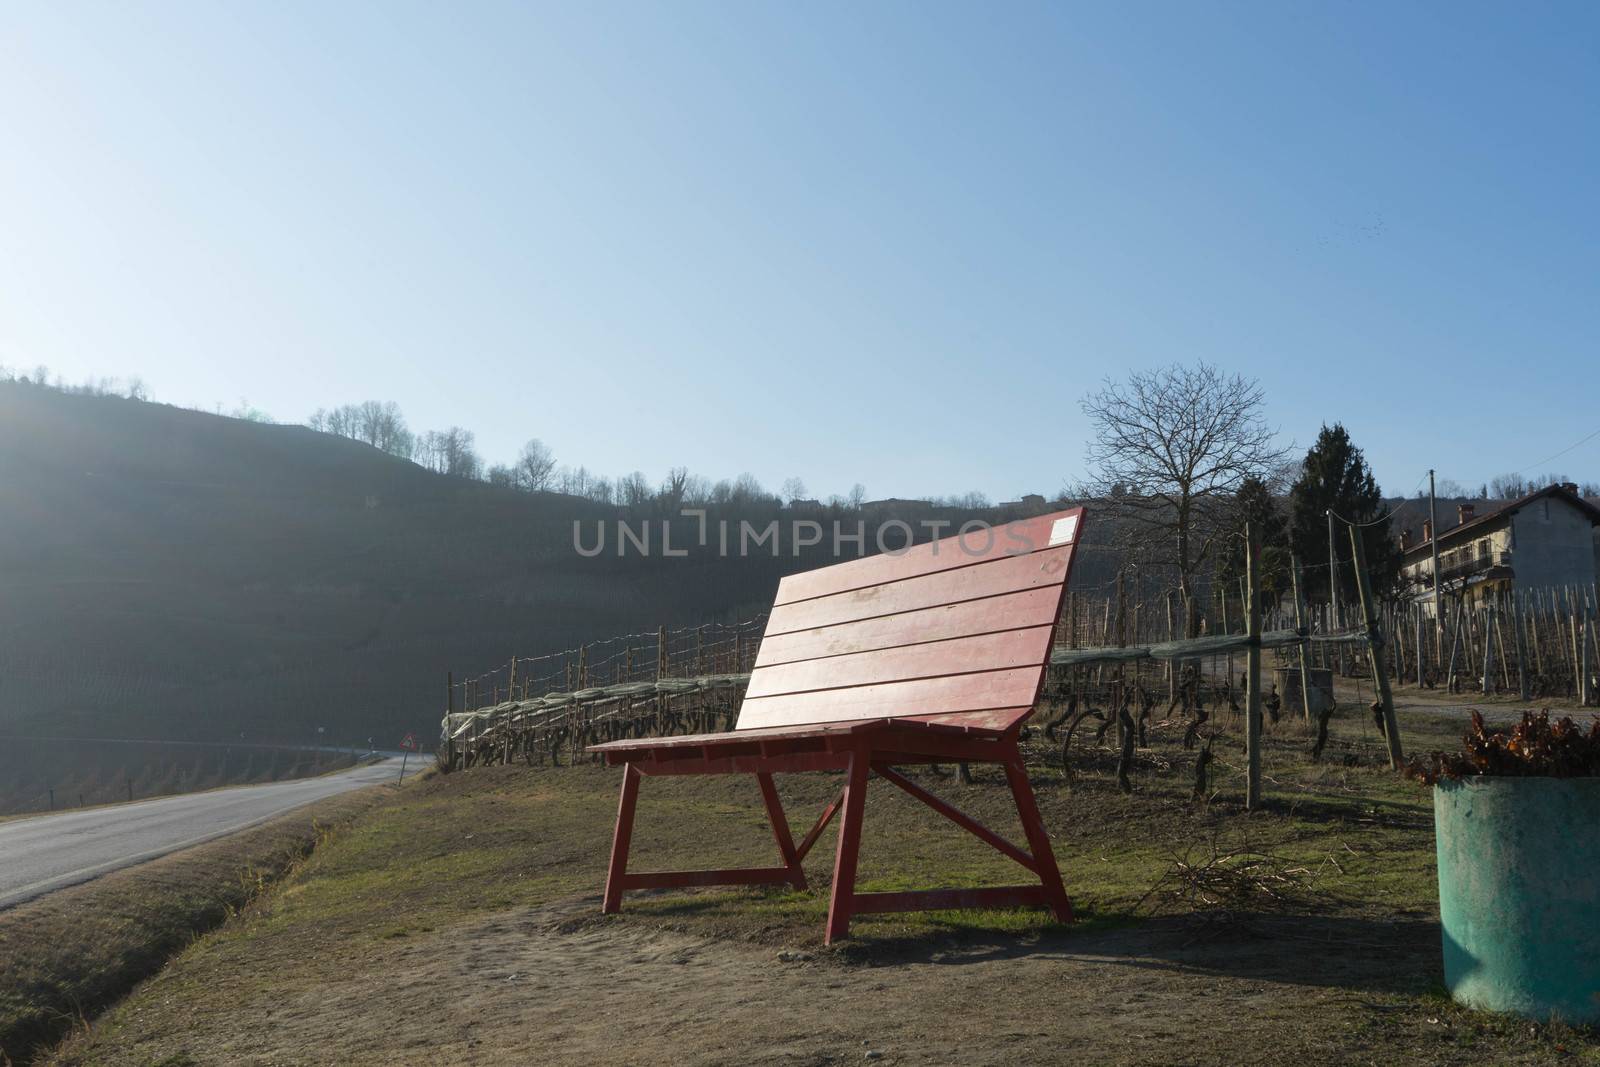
(170, 573)
(167, 573)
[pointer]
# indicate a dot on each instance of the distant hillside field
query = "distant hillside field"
(167, 573)
(170, 573)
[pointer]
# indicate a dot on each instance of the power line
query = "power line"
(1563, 452)
(1386, 516)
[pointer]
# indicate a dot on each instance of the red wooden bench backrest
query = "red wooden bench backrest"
(957, 630)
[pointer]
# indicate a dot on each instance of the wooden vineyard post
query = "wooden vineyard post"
(1577, 643)
(1500, 644)
(449, 727)
(1488, 648)
(1534, 618)
(1252, 707)
(1521, 642)
(1333, 592)
(1455, 646)
(1120, 685)
(1583, 660)
(1222, 595)
(1172, 674)
(1420, 656)
(1305, 643)
(1380, 680)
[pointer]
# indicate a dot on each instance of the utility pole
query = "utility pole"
(1252, 703)
(1333, 576)
(1433, 545)
(1333, 592)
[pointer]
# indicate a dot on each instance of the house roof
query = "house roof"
(1465, 530)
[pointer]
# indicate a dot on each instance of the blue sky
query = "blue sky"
(886, 243)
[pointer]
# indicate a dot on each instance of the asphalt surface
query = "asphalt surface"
(42, 853)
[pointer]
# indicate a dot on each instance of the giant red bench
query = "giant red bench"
(934, 655)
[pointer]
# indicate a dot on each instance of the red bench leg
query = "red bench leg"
(1038, 839)
(619, 842)
(780, 830)
(844, 860)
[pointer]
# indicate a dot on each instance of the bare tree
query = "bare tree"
(601, 491)
(381, 425)
(536, 466)
(858, 496)
(377, 423)
(450, 452)
(674, 489)
(973, 501)
(747, 490)
(633, 489)
(574, 481)
(793, 489)
(1508, 486)
(1171, 448)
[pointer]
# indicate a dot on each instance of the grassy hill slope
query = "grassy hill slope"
(166, 572)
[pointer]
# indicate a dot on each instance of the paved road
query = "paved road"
(47, 852)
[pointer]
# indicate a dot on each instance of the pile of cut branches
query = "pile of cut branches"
(1242, 879)
(1533, 748)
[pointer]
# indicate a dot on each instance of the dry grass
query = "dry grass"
(65, 956)
(458, 923)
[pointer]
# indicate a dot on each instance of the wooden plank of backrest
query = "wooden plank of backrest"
(1008, 574)
(965, 655)
(1010, 611)
(997, 719)
(1015, 538)
(964, 640)
(1016, 687)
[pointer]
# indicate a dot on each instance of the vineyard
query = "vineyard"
(1120, 675)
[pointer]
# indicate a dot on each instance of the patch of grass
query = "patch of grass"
(66, 955)
(508, 841)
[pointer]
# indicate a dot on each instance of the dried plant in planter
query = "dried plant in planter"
(1533, 748)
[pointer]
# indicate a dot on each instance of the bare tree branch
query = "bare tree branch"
(1171, 448)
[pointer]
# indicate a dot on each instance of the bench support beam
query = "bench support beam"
(822, 824)
(1005, 896)
(844, 902)
(780, 831)
(849, 847)
(620, 840)
(955, 815)
(1044, 857)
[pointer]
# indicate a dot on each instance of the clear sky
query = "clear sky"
(886, 243)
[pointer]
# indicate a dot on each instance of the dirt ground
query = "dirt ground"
(460, 924)
(558, 985)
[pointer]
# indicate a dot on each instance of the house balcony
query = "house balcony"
(1494, 565)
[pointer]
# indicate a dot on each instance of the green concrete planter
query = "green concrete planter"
(1519, 894)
